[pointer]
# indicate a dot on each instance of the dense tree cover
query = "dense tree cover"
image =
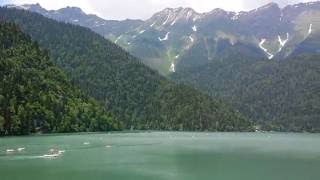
(137, 95)
(280, 95)
(36, 96)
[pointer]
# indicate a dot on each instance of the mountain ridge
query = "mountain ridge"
(263, 7)
(137, 95)
(225, 53)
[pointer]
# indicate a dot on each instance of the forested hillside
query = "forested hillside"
(138, 96)
(281, 95)
(36, 96)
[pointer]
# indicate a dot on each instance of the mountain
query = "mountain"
(280, 91)
(244, 58)
(36, 96)
(280, 95)
(172, 36)
(108, 28)
(137, 95)
(168, 38)
(311, 45)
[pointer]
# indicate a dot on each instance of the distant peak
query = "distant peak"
(36, 6)
(269, 6)
(178, 10)
(72, 9)
(32, 5)
(313, 3)
(306, 4)
(170, 16)
(218, 11)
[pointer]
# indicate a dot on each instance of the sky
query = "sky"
(144, 9)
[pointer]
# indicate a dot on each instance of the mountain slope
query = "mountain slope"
(267, 32)
(168, 38)
(36, 96)
(309, 46)
(138, 96)
(281, 95)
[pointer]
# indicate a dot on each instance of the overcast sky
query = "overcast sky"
(143, 9)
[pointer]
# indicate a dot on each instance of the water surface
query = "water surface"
(162, 156)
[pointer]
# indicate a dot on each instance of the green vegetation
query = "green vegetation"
(280, 95)
(137, 95)
(36, 96)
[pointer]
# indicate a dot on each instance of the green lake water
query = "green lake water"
(162, 156)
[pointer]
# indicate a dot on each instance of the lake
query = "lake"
(161, 156)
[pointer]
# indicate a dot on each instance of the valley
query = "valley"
(246, 59)
(226, 90)
(258, 66)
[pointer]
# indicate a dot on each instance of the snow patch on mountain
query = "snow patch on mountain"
(195, 28)
(310, 29)
(189, 14)
(172, 67)
(153, 24)
(166, 21)
(281, 15)
(177, 56)
(270, 56)
(174, 22)
(118, 38)
(261, 43)
(142, 31)
(282, 42)
(236, 16)
(191, 39)
(165, 38)
(195, 18)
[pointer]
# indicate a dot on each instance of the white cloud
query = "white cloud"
(143, 9)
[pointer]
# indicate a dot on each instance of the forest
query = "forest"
(139, 97)
(279, 95)
(37, 97)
